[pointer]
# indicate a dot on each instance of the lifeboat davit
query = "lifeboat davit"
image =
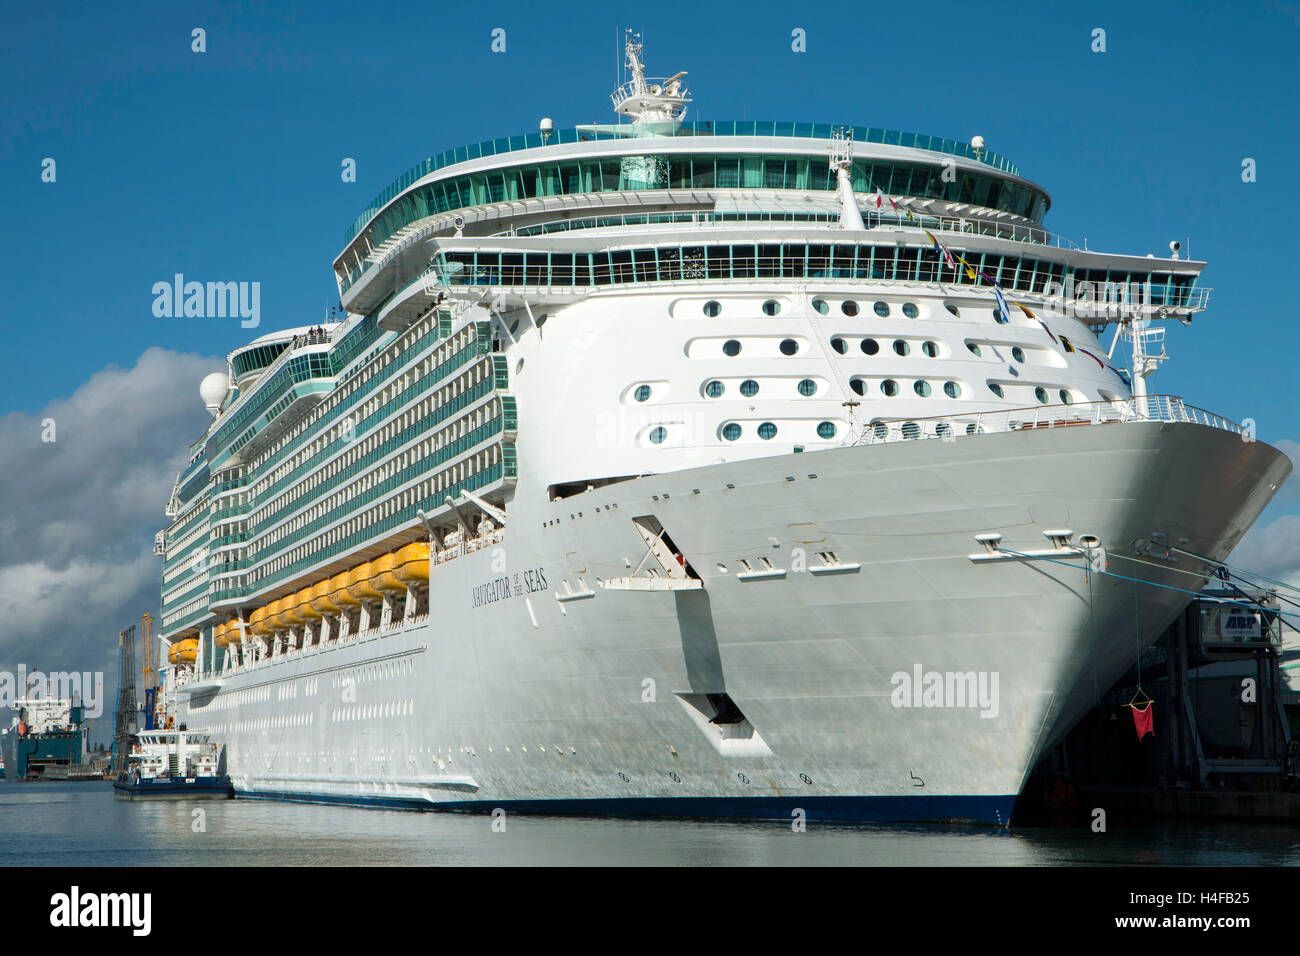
(412, 565)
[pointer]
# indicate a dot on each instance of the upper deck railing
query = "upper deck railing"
(582, 134)
(1151, 408)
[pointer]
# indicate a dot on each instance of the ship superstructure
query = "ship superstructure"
(646, 457)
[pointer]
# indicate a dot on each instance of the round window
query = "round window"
(930, 348)
(999, 316)
(974, 349)
(922, 389)
(519, 366)
(943, 429)
(911, 430)
(514, 326)
(910, 310)
(820, 306)
(849, 308)
(749, 388)
(714, 389)
(771, 307)
(1065, 396)
(838, 345)
(712, 308)
(789, 347)
(807, 388)
(889, 387)
(870, 346)
(541, 320)
(658, 434)
(858, 386)
(731, 431)
(1017, 353)
(952, 389)
(901, 347)
(826, 430)
(882, 309)
(1040, 393)
(953, 309)
(766, 431)
(880, 430)
(996, 389)
(643, 393)
(731, 347)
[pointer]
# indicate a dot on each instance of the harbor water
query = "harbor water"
(81, 824)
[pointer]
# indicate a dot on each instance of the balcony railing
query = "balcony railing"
(1152, 408)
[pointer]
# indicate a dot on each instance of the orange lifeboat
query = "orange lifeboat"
(183, 652)
(412, 564)
(305, 609)
(384, 579)
(257, 622)
(274, 617)
(339, 591)
(219, 634)
(320, 598)
(359, 584)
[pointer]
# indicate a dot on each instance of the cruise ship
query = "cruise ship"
(686, 468)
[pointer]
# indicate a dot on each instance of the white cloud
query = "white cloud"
(78, 516)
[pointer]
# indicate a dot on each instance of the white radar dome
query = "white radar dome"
(977, 142)
(213, 390)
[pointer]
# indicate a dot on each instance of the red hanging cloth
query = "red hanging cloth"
(1144, 719)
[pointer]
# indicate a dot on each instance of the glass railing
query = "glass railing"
(509, 144)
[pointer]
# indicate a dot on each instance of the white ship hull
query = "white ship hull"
(528, 702)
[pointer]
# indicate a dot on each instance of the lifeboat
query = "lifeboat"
(412, 565)
(274, 619)
(305, 609)
(233, 633)
(383, 577)
(219, 634)
(258, 622)
(359, 584)
(320, 598)
(339, 591)
(183, 652)
(289, 611)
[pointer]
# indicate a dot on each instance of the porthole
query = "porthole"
(930, 348)
(514, 327)
(712, 308)
(1017, 353)
(910, 310)
(880, 430)
(999, 316)
(849, 307)
(943, 429)
(1065, 396)
(1040, 393)
(881, 309)
(971, 428)
(807, 388)
(911, 430)
(789, 346)
(858, 385)
(901, 347)
(731, 431)
(952, 389)
(731, 347)
(826, 430)
(541, 320)
(820, 306)
(974, 349)
(771, 307)
(953, 309)
(921, 388)
(519, 366)
(714, 389)
(766, 431)
(839, 346)
(749, 388)
(870, 346)
(658, 434)
(996, 389)
(642, 393)
(889, 387)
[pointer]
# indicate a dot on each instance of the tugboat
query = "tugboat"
(173, 765)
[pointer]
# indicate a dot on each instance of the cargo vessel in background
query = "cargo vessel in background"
(46, 740)
(695, 468)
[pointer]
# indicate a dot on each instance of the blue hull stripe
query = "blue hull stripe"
(991, 810)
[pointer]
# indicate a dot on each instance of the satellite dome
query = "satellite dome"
(213, 390)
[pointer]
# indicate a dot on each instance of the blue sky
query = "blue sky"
(225, 165)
